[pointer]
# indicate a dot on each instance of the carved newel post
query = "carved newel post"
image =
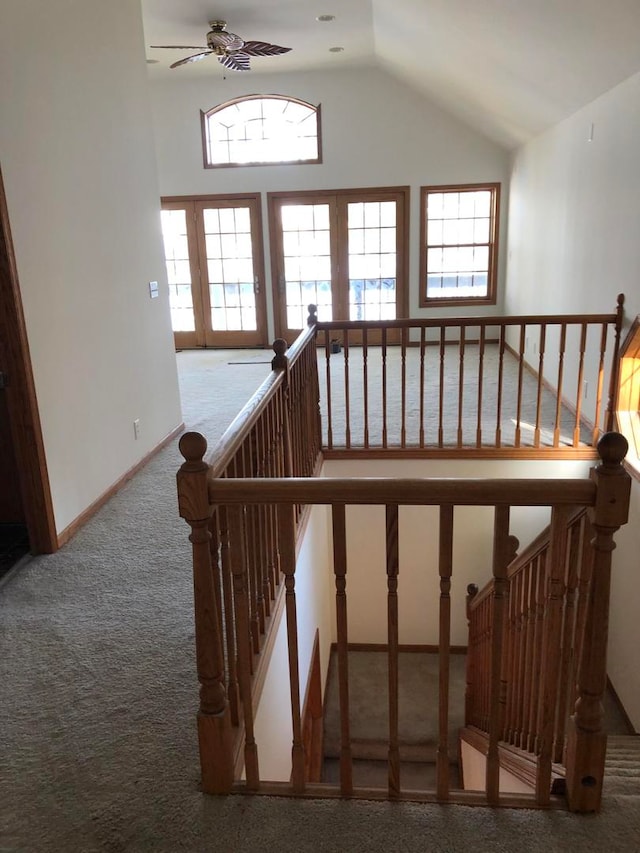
(214, 732)
(587, 742)
(312, 318)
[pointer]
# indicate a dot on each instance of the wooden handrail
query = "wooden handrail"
(531, 353)
(409, 492)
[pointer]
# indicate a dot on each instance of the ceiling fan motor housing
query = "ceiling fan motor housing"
(220, 41)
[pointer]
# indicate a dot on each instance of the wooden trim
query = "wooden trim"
(516, 761)
(469, 452)
(456, 797)
(586, 423)
(313, 717)
(24, 417)
(402, 647)
(71, 529)
(426, 301)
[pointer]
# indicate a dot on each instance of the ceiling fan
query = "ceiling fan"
(232, 51)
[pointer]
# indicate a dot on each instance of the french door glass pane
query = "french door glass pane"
(230, 269)
(372, 260)
(307, 261)
(176, 250)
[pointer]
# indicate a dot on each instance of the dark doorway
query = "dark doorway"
(26, 509)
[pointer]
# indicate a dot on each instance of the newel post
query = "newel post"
(587, 742)
(472, 654)
(280, 361)
(214, 731)
(312, 317)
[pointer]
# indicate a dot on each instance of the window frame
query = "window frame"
(206, 114)
(490, 298)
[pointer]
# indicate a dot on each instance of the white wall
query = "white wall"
(273, 726)
(80, 175)
(375, 132)
(573, 246)
(418, 579)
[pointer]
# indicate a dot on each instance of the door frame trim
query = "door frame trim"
(24, 417)
(403, 259)
(258, 247)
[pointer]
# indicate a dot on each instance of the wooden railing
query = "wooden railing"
(236, 559)
(228, 668)
(536, 663)
(507, 386)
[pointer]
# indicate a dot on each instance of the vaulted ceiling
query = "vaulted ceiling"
(510, 68)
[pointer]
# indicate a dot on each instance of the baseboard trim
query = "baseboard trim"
(71, 529)
(402, 647)
(584, 421)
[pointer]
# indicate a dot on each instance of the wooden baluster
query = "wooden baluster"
(513, 649)
(585, 570)
(527, 681)
(229, 620)
(384, 388)
(327, 360)
(403, 387)
(480, 385)
(253, 552)
(541, 350)
(365, 383)
(392, 627)
(538, 638)
(445, 562)
(586, 746)
(347, 408)
(614, 379)
(521, 662)
(263, 519)
(422, 357)
(501, 349)
(214, 731)
(568, 631)
(503, 548)
(552, 634)
(583, 346)
(244, 470)
(241, 608)
(597, 429)
(340, 571)
(461, 350)
(441, 388)
(518, 434)
(561, 349)
(472, 664)
(287, 541)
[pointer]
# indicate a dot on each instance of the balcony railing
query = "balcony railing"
(246, 506)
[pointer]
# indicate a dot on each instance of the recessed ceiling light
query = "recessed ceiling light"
(336, 49)
(324, 19)
(152, 61)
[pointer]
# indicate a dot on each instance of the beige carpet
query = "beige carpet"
(98, 696)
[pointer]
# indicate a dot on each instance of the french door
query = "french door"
(215, 268)
(344, 251)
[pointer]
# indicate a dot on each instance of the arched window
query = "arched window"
(260, 129)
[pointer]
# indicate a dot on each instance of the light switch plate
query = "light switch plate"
(153, 289)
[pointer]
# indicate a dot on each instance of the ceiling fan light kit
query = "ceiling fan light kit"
(232, 51)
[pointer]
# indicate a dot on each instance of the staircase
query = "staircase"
(622, 767)
(418, 718)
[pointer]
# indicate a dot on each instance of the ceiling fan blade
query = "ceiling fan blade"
(178, 47)
(263, 48)
(236, 61)
(195, 58)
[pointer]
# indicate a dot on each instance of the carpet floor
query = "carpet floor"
(98, 747)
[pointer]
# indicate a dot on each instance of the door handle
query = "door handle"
(281, 283)
(256, 285)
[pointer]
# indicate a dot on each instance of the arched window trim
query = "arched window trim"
(206, 114)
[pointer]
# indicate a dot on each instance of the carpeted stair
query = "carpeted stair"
(622, 767)
(418, 718)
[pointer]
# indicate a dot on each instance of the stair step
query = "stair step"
(414, 775)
